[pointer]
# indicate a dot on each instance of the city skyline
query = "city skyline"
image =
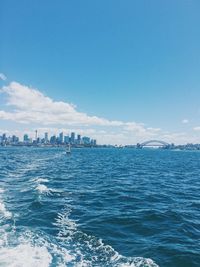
(121, 73)
(45, 139)
(78, 141)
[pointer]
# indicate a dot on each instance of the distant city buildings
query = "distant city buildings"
(46, 138)
(79, 141)
(72, 140)
(61, 138)
(48, 141)
(26, 139)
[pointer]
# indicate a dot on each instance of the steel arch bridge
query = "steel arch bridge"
(153, 143)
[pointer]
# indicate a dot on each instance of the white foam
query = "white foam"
(4, 212)
(3, 237)
(90, 251)
(42, 180)
(38, 186)
(43, 189)
(30, 249)
(138, 262)
(25, 255)
(2, 190)
(72, 247)
(64, 221)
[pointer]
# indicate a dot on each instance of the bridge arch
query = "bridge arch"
(153, 143)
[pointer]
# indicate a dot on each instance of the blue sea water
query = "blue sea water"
(99, 207)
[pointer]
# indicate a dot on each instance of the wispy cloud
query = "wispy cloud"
(185, 121)
(197, 128)
(3, 77)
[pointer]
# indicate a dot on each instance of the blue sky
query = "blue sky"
(134, 62)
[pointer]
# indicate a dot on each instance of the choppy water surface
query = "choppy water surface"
(99, 207)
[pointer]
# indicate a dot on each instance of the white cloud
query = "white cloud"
(196, 128)
(3, 77)
(29, 106)
(175, 136)
(185, 121)
(134, 127)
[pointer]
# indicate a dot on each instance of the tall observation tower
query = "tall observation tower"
(36, 135)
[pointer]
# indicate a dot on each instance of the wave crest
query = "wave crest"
(25, 255)
(90, 251)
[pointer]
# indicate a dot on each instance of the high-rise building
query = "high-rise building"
(26, 139)
(66, 139)
(86, 140)
(61, 138)
(4, 137)
(36, 135)
(53, 139)
(78, 139)
(72, 138)
(15, 139)
(93, 142)
(46, 139)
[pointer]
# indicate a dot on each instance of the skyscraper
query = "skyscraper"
(36, 135)
(4, 137)
(53, 139)
(66, 139)
(61, 138)
(46, 139)
(72, 138)
(86, 140)
(26, 139)
(78, 139)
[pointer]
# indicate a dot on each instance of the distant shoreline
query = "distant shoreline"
(191, 147)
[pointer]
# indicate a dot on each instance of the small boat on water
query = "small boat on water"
(68, 150)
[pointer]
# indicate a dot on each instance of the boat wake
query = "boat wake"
(25, 255)
(71, 247)
(3, 211)
(25, 247)
(41, 186)
(87, 250)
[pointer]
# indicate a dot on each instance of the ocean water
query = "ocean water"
(99, 207)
